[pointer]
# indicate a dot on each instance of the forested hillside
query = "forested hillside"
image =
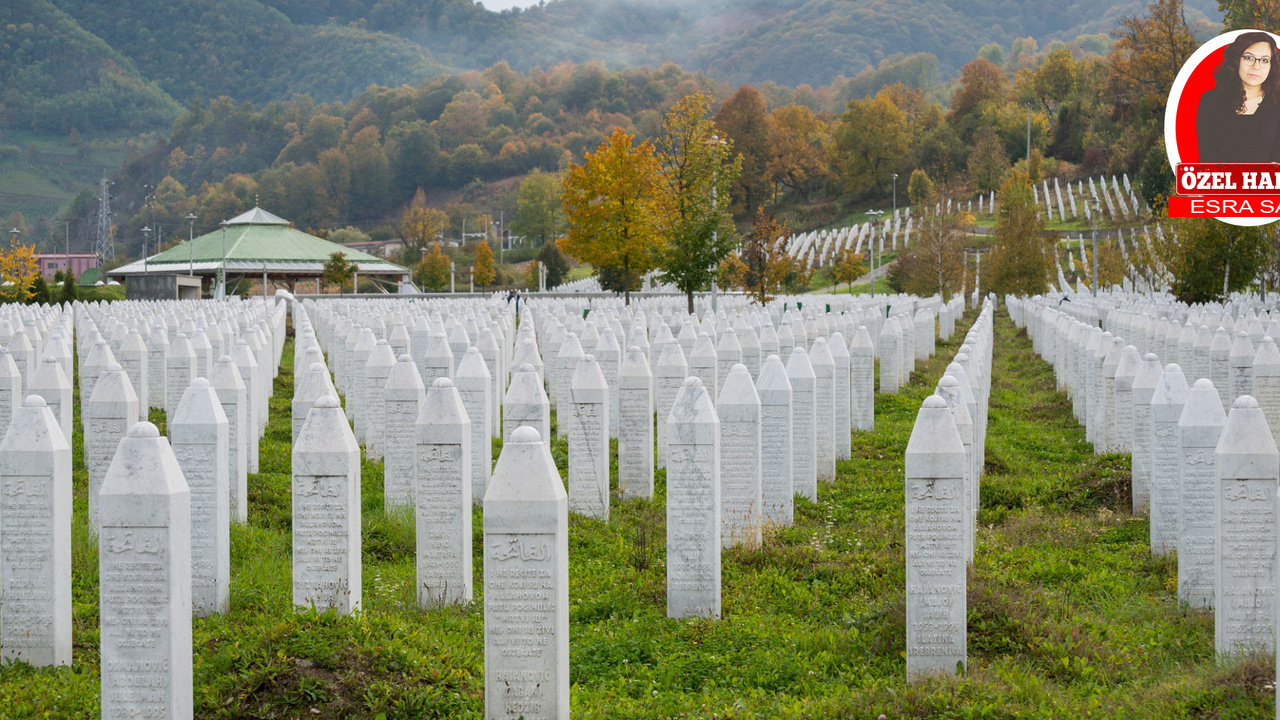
(55, 76)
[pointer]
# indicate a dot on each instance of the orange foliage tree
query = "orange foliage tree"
(612, 203)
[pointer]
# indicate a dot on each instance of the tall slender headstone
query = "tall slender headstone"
(890, 353)
(526, 584)
(376, 369)
(526, 403)
(804, 454)
(588, 432)
(843, 434)
(475, 385)
(824, 408)
(180, 370)
(1166, 490)
(702, 363)
(862, 380)
(35, 538)
(10, 388)
(442, 496)
(1248, 466)
(1144, 387)
(199, 431)
(635, 426)
(144, 587)
(1199, 430)
(247, 364)
(54, 386)
(110, 414)
(1266, 383)
(671, 372)
(133, 358)
(226, 382)
(777, 478)
(936, 569)
(693, 505)
(741, 497)
(402, 399)
(326, 512)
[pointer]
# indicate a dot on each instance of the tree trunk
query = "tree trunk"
(689, 296)
(626, 280)
(1226, 278)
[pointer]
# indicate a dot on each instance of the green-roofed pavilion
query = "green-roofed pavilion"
(257, 244)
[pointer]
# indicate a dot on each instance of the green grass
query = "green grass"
(1069, 615)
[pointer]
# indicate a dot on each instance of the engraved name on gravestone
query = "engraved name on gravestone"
(588, 431)
(1199, 429)
(936, 575)
(35, 538)
(777, 487)
(1245, 538)
(693, 505)
(526, 584)
(1166, 465)
(635, 426)
(144, 587)
(442, 497)
(740, 492)
(199, 432)
(326, 512)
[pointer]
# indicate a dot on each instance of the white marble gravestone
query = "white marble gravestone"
(804, 453)
(1199, 429)
(133, 357)
(635, 426)
(1266, 383)
(144, 587)
(890, 353)
(52, 384)
(741, 496)
(693, 504)
(526, 403)
(254, 406)
(824, 394)
(862, 386)
(233, 396)
(376, 369)
(777, 478)
(326, 512)
(199, 433)
(843, 433)
(475, 386)
(180, 370)
(588, 431)
(526, 584)
(1248, 466)
(1144, 387)
(935, 554)
(670, 374)
(1166, 459)
(109, 414)
(35, 538)
(442, 497)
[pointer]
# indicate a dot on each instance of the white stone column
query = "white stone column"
(843, 432)
(693, 505)
(326, 512)
(35, 538)
(526, 584)
(526, 403)
(475, 386)
(442, 496)
(199, 431)
(671, 372)
(1166, 489)
(635, 426)
(233, 396)
(804, 453)
(741, 496)
(1143, 458)
(1199, 430)
(110, 414)
(823, 365)
(1248, 466)
(936, 570)
(144, 587)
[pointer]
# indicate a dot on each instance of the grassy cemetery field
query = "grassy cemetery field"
(1069, 614)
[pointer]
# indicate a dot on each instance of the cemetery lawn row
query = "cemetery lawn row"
(1069, 615)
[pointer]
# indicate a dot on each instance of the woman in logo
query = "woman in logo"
(1239, 118)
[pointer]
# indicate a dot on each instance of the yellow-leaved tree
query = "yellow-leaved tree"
(18, 270)
(613, 203)
(483, 271)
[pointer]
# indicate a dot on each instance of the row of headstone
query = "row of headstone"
(1206, 477)
(943, 463)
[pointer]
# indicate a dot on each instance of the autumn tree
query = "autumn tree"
(764, 252)
(798, 145)
(871, 142)
(18, 271)
(1148, 54)
(1250, 14)
(920, 192)
(935, 263)
(538, 212)
(744, 117)
(988, 162)
(699, 169)
(1020, 262)
(982, 85)
(339, 271)
(848, 267)
(419, 226)
(433, 271)
(483, 270)
(613, 204)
